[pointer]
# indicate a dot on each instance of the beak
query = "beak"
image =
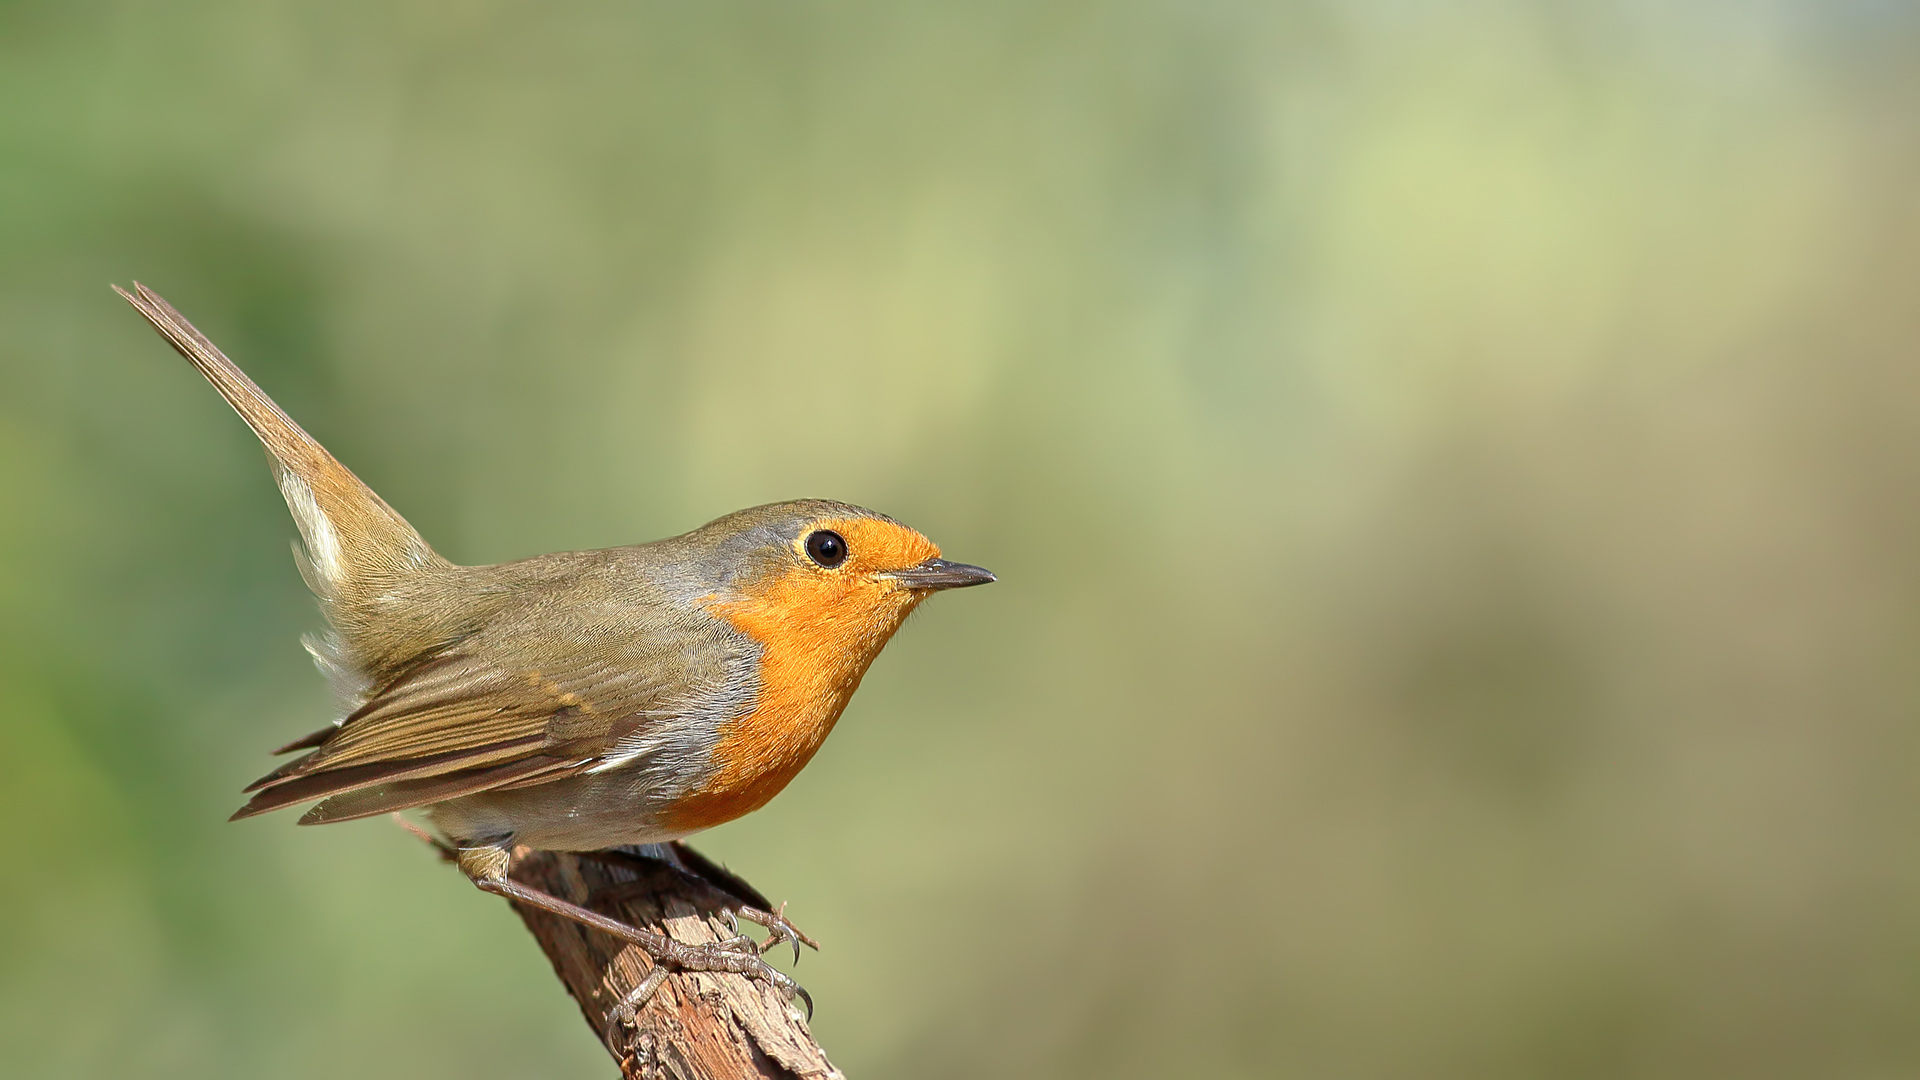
(940, 574)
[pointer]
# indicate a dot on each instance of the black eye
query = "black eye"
(826, 548)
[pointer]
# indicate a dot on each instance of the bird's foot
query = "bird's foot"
(737, 955)
(486, 865)
(776, 925)
(736, 900)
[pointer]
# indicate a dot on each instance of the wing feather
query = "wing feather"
(530, 698)
(406, 794)
(299, 789)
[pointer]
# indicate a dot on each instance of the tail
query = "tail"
(356, 546)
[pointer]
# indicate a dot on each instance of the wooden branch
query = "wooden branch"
(698, 1026)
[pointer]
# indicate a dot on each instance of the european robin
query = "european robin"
(577, 701)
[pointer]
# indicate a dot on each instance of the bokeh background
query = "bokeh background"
(1454, 471)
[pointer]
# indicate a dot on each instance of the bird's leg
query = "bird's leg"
(739, 900)
(486, 864)
(649, 866)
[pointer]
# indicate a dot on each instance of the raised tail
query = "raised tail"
(356, 545)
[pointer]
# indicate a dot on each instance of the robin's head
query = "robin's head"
(825, 566)
(820, 587)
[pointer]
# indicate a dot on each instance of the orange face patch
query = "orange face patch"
(874, 546)
(818, 629)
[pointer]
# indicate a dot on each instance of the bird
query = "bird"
(577, 701)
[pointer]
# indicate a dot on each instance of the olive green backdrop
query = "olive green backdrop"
(1454, 472)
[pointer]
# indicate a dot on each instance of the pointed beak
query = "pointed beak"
(940, 574)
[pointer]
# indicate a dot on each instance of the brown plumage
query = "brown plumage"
(578, 700)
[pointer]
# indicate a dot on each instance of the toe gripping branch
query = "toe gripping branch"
(736, 898)
(628, 896)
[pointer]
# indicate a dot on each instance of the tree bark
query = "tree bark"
(698, 1025)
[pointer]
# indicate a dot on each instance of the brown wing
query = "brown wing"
(453, 725)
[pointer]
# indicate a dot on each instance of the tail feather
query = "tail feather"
(356, 549)
(350, 532)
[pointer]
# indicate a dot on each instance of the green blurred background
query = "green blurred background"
(1454, 471)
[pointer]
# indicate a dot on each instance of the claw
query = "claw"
(791, 988)
(740, 956)
(778, 929)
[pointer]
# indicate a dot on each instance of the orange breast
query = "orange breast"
(818, 633)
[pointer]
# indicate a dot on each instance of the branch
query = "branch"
(698, 1025)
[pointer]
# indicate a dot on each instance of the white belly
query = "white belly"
(591, 812)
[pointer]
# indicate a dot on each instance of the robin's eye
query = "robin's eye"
(826, 548)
